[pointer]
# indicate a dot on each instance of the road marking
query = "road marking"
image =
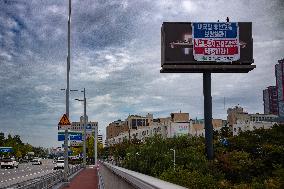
(31, 174)
(13, 178)
(27, 175)
(3, 173)
(2, 181)
(8, 172)
(23, 176)
(10, 179)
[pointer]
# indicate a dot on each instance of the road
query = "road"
(25, 172)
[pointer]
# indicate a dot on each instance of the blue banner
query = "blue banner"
(215, 30)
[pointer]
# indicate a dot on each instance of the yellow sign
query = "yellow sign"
(64, 120)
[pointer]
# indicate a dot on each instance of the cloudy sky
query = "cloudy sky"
(116, 57)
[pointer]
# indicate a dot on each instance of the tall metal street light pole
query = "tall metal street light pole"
(174, 157)
(84, 131)
(67, 98)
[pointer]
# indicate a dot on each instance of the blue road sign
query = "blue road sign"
(61, 137)
(6, 149)
(72, 135)
(75, 137)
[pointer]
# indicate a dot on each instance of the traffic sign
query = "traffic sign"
(6, 149)
(64, 120)
(72, 135)
(61, 137)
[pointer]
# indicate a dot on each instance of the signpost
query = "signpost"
(207, 47)
(64, 123)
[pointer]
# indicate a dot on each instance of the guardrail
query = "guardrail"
(101, 184)
(46, 181)
(140, 180)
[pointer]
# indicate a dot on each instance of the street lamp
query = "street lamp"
(174, 157)
(84, 131)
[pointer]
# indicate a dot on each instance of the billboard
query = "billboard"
(178, 129)
(207, 43)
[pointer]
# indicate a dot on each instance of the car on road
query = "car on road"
(36, 161)
(9, 163)
(59, 164)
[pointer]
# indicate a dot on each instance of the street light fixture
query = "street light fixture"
(174, 157)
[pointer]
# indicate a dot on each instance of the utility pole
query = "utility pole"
(66, 169)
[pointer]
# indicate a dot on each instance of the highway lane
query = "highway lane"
(26, 171)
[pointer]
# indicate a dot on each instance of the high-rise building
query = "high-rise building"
(270, 100)
(279, 74)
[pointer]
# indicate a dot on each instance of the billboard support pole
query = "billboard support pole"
(208, 115)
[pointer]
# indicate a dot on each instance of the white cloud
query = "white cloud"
(115, 55)
(190, 6)
(43, 88)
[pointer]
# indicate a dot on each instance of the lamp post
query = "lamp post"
(67, 96)
(84, 131)
(174, 157)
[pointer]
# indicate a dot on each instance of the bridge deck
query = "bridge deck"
(86, 179)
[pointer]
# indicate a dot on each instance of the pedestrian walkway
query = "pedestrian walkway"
(86, 179)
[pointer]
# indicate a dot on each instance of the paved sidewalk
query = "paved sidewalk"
(86, 179)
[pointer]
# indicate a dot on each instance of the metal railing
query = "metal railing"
(139, 180)
(46, 181)
(101, 181)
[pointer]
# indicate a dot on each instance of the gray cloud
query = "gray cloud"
(116, 57)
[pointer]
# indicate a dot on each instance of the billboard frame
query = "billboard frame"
(183, 65)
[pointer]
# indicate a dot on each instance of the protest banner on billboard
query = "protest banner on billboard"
(216, 42)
